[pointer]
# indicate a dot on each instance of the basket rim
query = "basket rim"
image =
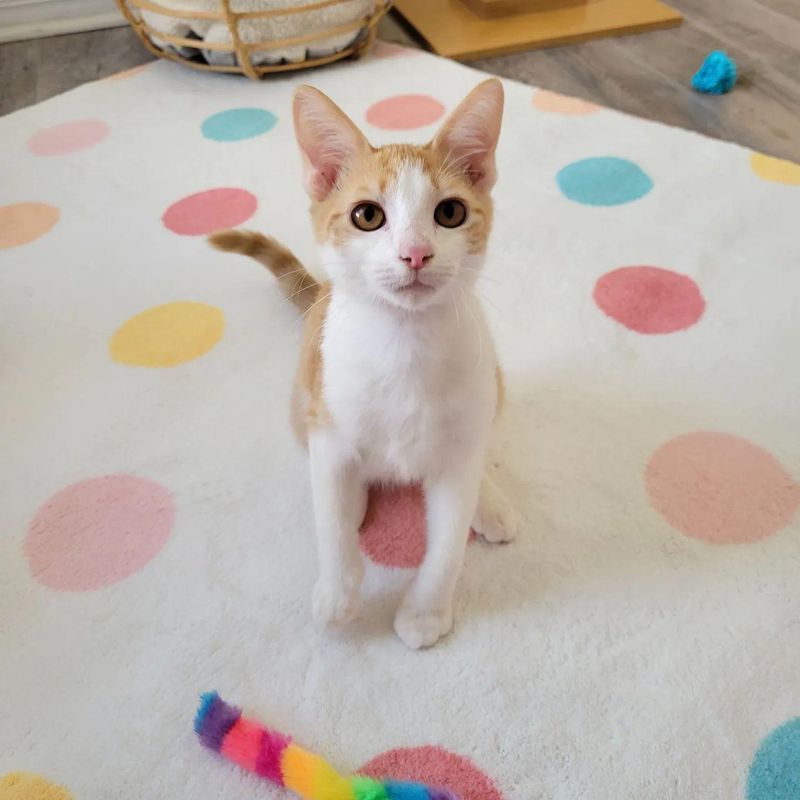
(157, 8)
(244, 50)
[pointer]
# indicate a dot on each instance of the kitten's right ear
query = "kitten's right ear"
(327, 139)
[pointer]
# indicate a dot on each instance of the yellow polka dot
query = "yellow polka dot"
(27, 786)
(164, 336)
(775, 169)
(21, 223)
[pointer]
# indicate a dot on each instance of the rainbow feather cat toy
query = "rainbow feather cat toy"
(277, 758)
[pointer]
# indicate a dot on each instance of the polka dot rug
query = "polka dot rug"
(640, 640)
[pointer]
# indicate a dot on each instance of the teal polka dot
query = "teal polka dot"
(236, 124)
(605, 181)
(775, 771)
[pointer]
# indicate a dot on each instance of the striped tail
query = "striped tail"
(274, 756)
(295, 281)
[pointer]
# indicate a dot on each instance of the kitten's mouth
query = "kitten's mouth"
(414, 293)
(415, 287)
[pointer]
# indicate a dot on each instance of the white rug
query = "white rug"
(640, 640)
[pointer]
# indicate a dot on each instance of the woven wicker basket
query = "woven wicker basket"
(363, 30)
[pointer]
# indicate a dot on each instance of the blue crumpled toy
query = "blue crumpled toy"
(716, 75)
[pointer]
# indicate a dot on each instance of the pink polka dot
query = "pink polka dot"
(209, 211)
(68, 137)
(394, 532)
(97, 532)
(649, 299)
(404, 112)
(436, 767)
(720, 488)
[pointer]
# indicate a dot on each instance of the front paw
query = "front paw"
(336, 602)
(420, 628)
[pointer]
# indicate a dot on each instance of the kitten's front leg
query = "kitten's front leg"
(426, 613)
(339, 498)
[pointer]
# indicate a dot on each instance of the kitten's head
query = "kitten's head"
(404, 224)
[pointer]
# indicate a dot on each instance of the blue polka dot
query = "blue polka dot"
(775, 771)
(236, 124)
(605, 181)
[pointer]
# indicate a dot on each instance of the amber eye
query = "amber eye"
(450, 213)
(368, 216)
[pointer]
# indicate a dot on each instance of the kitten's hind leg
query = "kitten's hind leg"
(495, 518)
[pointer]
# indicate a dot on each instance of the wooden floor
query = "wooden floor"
(647, 75)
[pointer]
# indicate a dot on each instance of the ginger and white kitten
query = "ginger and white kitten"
(398, 379)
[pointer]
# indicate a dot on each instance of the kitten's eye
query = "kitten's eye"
(368, 216)
(450, 213)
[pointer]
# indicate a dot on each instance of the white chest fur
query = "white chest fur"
(407, 392)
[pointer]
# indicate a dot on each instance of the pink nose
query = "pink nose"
(416, 256)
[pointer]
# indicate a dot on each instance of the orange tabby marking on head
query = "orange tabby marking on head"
(370, 177)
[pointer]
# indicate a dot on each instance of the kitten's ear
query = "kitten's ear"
(327, 139)
(468, 137)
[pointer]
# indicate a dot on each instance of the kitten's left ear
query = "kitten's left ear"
(469, 135)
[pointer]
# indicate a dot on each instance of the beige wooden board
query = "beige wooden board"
(500, 8)
(452, 29)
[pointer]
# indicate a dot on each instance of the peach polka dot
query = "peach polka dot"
(28, 786)
(555, 103)
(435, 767)
(167, 335)
(99, 531)
(68, 137)
(404, 112)
(21, 223)
(205, 212)
(721, 488)
(128, 73)
(775, 169)
(649, 300)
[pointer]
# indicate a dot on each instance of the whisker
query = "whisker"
(463, 157)
(494, 305)
(477, 330)
(445, 163)
(293, 272)
(315, 303)
(297, 282)
(455, 308)
(481, 274)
